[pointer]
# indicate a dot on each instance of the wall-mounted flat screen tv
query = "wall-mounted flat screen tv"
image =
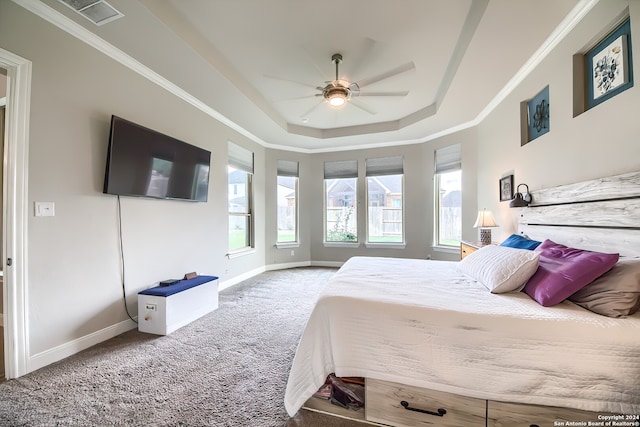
(143, 162)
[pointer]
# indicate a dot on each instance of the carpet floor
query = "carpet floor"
(228, 368)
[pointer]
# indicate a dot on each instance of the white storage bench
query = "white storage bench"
(163, 309)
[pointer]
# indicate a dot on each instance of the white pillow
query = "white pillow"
(500, 268)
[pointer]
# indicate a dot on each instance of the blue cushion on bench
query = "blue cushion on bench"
(182, 285)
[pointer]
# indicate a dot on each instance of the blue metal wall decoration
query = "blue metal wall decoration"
(538, 116)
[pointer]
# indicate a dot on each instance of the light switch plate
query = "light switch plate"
(45, 209)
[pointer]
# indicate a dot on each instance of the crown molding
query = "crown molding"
(78, 31)
(59, 20)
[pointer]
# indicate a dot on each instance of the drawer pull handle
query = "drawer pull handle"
(440, 413)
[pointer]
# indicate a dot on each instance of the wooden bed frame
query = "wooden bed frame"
(601, 215)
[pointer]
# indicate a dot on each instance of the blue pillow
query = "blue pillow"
(520, 242)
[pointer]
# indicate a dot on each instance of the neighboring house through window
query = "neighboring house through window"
(240, 198)
(287, 201)
(385, 189)
(340, 190)
(448, 196)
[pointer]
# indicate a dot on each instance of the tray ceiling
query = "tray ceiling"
(262, 64)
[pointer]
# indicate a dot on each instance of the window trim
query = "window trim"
(240, 252)
(248, 214)
(341, 244)
(436, 231)
(296, 242)
(370, 244)
(331, 243)
(286, 245)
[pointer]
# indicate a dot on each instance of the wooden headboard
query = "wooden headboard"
(600, 215)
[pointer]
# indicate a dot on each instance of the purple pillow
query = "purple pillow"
(562, 271)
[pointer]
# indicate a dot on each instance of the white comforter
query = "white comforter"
(424, 324)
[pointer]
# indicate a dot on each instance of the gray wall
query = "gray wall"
(73, 283)
(73, 258)
(600, 142)
(418, 203)
(418, 206)
(282, 256)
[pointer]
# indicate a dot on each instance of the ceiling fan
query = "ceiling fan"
(337, 92)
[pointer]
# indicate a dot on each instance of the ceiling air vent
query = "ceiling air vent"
(97, 11)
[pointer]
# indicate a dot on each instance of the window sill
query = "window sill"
(241, 252)
(447, 249)
(341, 244)
(287, 245)
(385, 245)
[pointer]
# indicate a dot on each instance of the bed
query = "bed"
(429, 331)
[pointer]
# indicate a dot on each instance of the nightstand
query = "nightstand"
(467, 247)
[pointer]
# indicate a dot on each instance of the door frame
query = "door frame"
(15, 213)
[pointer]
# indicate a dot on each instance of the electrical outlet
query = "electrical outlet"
(293, 252)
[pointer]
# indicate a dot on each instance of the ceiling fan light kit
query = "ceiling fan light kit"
(336, 95)
(335, 92)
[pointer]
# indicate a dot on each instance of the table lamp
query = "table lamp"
(484, 222)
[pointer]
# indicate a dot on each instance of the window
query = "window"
(239, 198)
(287, 195)
(340, 189)
(385, 182)
(448, 196)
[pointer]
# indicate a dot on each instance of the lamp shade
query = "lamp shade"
(485, 220)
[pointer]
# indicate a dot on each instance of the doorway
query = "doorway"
(3, 103)
(13, 259)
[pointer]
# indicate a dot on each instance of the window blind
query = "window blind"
(240, 158)
(341, 169)
(384, 166)
(448, 159)
(288, 168)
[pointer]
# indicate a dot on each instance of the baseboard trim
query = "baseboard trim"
(70, 348)
(237, 279)
(286, 265)
(327, 263)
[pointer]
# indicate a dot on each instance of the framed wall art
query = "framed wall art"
(534, 116)
(538, 108)
(506, 188)
(609, 68)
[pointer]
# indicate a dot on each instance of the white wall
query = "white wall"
(600, 142)
(74, 281)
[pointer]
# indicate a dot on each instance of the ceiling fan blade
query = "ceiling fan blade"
(365, 53)
(295, 98)
(292, 81)
(399, 93)
(398, 70)
(310, 110)
(362, 107)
